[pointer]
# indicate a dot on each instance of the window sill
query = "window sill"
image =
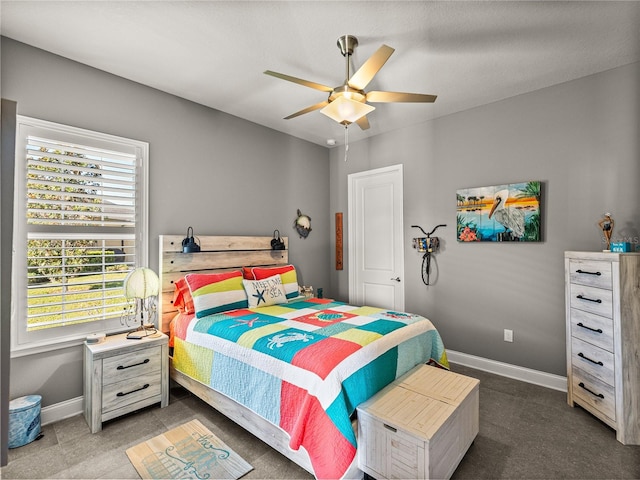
(18, 351)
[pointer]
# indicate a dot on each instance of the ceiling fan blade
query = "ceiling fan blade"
(387, 97)
(363, 122)
(308, 109)
(300, 81)
(367, 71)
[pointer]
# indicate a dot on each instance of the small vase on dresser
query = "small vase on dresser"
(602, 292)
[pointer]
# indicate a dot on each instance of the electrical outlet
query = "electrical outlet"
(508, 335)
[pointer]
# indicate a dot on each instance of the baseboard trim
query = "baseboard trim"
(62, 410)
(549, 380)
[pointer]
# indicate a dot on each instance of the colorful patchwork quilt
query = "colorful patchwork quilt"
(306, 365)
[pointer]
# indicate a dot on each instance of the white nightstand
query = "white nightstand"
(123, 375)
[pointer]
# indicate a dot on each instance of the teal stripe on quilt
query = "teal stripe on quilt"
(368, 380)
(381, 326)
(223, 308)
(203, 324)
(360, 386)
(232, 328)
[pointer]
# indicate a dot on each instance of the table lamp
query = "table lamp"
(142, 286)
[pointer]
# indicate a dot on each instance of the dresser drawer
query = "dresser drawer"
(593, 329)
(593, 360)
(591, 273)
(120, 394)
(131, 365)
(595, 393)
(593, 300)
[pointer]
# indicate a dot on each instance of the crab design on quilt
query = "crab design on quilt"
(282, 338)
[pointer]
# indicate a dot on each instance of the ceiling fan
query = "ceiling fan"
(348, 103)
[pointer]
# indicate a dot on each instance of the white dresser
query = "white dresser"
(603, 338)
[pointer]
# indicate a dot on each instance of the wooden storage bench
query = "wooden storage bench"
(419, 426)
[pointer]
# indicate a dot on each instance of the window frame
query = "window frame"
(24, 342)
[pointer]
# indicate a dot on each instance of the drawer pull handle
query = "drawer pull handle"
(389, 427)
(588, 273)
(582, 355)
(597, 300)
(122, 394)
(122, 367)
(597, 330)
(599, 395)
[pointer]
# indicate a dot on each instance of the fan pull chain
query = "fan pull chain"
(346, 141)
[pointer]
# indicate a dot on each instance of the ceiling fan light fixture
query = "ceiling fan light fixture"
(343, 109)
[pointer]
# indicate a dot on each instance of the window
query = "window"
(80, 227)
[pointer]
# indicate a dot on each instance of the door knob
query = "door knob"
(397, 279)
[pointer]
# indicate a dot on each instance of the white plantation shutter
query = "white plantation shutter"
(80, 228)
(72, 185)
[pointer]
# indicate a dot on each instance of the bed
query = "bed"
(290, 369)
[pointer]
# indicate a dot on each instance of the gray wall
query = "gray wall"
(215, 172)
(581, 139)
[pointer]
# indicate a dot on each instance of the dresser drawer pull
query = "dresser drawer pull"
(597, 300)
(122, 367)
(389, 427)
(582, 355)
(588, 273)
(599, 395)
(122, 394)
(597, 330)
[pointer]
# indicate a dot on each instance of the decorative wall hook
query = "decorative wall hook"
(302, 224)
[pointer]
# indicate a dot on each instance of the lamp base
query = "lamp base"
(145, 331)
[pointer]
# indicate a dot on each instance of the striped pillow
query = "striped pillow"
(217, 292)
(288, 274)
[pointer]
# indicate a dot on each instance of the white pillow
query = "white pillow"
(262, 293)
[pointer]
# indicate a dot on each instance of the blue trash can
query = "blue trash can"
(24, 420)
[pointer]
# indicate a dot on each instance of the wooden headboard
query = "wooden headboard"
(217, 254)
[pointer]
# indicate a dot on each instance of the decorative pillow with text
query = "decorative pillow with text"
(287, 273)
(265, 292)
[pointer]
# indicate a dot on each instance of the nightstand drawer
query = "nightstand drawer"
(131, 365)
(593, 360)
(591, 299)
(592, 328)
(595, 393)
(117, 395)
(593, 273)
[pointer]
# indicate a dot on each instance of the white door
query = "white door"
(376, 240)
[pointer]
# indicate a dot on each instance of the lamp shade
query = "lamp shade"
(343, 109)
(141, 282)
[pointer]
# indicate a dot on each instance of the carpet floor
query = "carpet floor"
(526, 432)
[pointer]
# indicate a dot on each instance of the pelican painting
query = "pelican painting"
(511, 218)
(500, 213)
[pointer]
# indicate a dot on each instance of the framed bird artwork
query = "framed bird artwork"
(500, 213)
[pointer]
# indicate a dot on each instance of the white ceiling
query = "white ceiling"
(215, 52)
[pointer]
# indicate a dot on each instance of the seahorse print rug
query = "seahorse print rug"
(187, 451)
